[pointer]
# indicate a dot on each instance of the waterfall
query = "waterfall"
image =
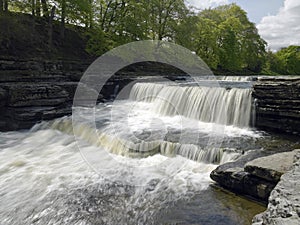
(146, 93)
(226, 78)
(142, 149)
(236, 78)
(207, 104)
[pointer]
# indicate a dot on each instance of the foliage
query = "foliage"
(223, 37)
(226, 40)
(285, 61)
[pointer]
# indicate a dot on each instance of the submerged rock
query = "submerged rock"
(284, 201)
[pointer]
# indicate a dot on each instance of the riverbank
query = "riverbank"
(278, 103)
(284, 201)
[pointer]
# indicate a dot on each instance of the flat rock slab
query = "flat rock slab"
(272, 167)
(284, 201)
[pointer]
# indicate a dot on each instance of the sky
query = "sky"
(278, 21)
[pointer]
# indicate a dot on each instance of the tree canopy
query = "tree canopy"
(223, 37)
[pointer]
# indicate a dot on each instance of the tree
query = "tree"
(227, 40)
(5, 5)
(185, 32)
(229, 44)
(63, 18)
(33, 7)
(206, 40)
(1, 6)
(290, 59)
(38, 7)
(164, 16)
(50, 29)
(45, 8)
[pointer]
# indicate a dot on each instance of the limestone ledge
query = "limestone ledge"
(254, 175)
(284, 201)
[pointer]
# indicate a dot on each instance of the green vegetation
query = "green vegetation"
(285, 61)
(223, 37)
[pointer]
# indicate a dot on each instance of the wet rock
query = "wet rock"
(3, 97)
(34, 90)
(272, 167)
(284, 201)
(254, 175)
(47, 94)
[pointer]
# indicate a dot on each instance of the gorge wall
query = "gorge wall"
(35, 90)
(278, 104)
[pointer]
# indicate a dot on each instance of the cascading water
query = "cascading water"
(154, 149)
(213, 105)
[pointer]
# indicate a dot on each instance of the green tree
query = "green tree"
(227, 40)
(45, 8)
(206, 40)
(290, 59)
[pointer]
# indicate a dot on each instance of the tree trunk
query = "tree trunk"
(90, 13)
(38, 7)
(63, 19)
(6, 5)
(1, 6)
(33, 7)
(45, 8)
(50, 30)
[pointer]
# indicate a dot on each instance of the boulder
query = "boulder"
(272, 167)
(254, 175)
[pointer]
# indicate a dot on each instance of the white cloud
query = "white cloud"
(203, 4)
(283, 29)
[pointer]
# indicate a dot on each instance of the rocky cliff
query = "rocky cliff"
(35, 90)
(278, 103)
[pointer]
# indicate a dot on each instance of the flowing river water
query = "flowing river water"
(147, 163)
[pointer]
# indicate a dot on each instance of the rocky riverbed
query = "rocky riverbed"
(274, 178)
(36, 90)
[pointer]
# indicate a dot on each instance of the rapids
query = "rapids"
(143, 156)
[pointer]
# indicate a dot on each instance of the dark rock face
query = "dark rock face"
(254, 175)
(278, 104)
(36, 90)
(232, 176)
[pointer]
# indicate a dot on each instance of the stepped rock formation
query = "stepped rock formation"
(278, 103)
(254, 175)
(36, 90)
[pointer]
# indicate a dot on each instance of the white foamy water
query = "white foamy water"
(141, 158)
(44, 180)
(206, 104)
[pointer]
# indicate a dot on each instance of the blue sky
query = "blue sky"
(257, 9)
(277, 21)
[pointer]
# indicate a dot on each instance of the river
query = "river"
(147, 163)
